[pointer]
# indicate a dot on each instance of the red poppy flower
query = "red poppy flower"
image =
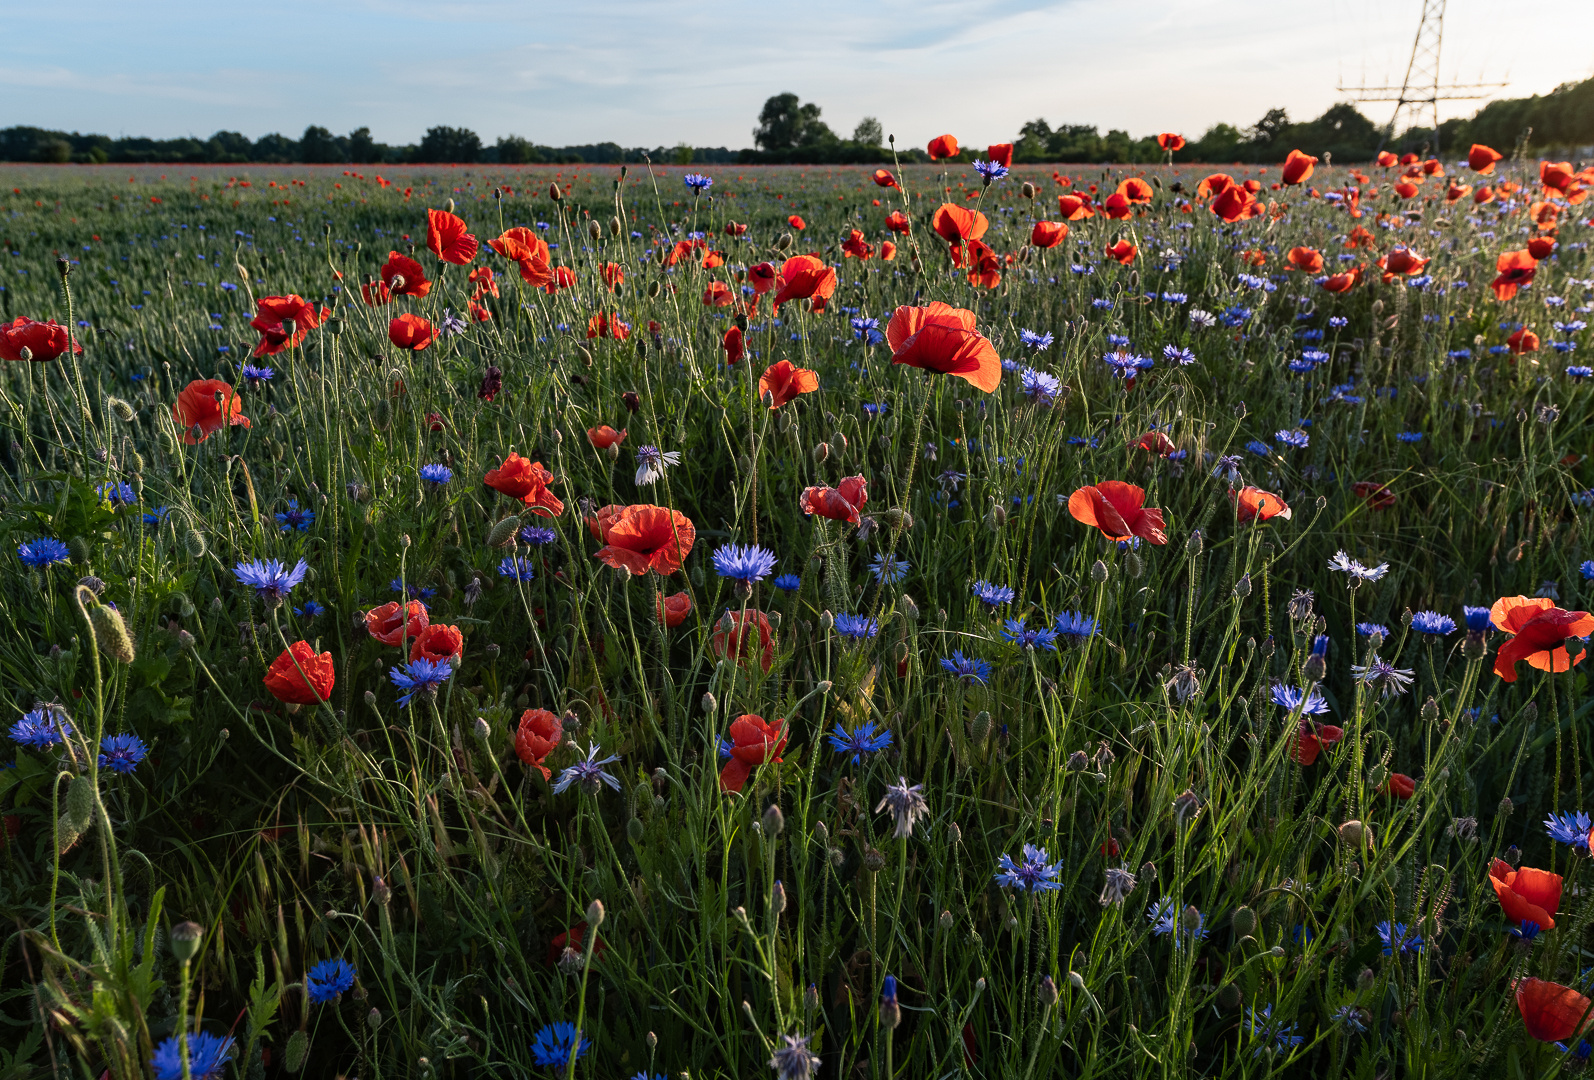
(1254, 503)
(1343, 282)
(718, 294)
(783, 381)
(529, 252)
(954, 223)
(571, 939)
(1456, 192)
(43, 340)
(603, 436)
(1400, 786)
(375, 294)
(1216, 184)
(734, 229)
(762, 277)
(1297, 168)
(1074, 207)
(1483, 195)
(1526, 894)
(1404, 261)
(438, 643)
(1386, 159)
(1118, 510)
(941, 338)
(888, 251)
(897, 222)
(1116, 208)
(392, 625)
(884, 178)
(1305, 259)
(1556, 175)
(447, 239)
(486, 282)
(1001, 153)
(737, 641)
(1156, 442)
(840, 503)
(560, 277)
(1170, 142)
(1523, 341)
(1048, 234)
(672, 610)
(985, 269)
(604, 325)
(1432, 167)
(1540, 630)
(1513, 270)
(1123, 251)
(1481, 159)
(733, 344)
(403, 276)
(1234, 203)
(1552, 1012)
(943, 146)
(796, 222)
(1135, 190)
(713, 260)
(526, 480)
(1378, 496)
(855, 246)
(645, 537)
(1541, 247)
(805, 277)
(283, 323)
(204, 407)
(1312, 738)
(613, 275)
(299, 676)
(753, 742)
(536, 737)
(1406, 189)
(477, 313)
(1359, 237)
(411, 332)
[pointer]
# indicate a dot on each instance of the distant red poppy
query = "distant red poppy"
(1456, 192)
(392, 625)
(560, 277)
(375, 294)
(1170, 142)
(1400, 786)
(713, 260)
(204, 407)
(943, 146)
(447, 239)
(734, 229)
(839, 503)
(1308, 260)
(1252, 503)
(298, 676)
(1557, 176)
(1378, 496)
(941, 338)
(1214, 185)
(1135, 190)
(1048, 234)
(737, 640)
(762, 277)
(1234, 203)
(613, 275)
(985, 268)
(645, 537)
(1074, 207)
(1541, 630)
(1156, 442)
(486, 281)
(884, 178)
(1297, 168)
(718, 294)
(1342, 282)
(1523, 341)
(43, 340)
(1406, 189)
(954, 223)
(603, 436)
(754, 741)
(1118, 510)
(536, 737)
(1001, 153)
(284, 322)
(1404, 261)
(1359, 237)
(1386, 159)
(673, 609)
(571, 939)
(855, 246)
(1123, 251)
(1527, 894)
(1312, 739)
(1253, 186)
(1542, 247)
(526, 480)
(411, 332)
(604, 325)
(1513, 269)
(888, 251)
(731, 343)
(1552, 1012)
(1433, 167)
(438, 643)
(797, 223)
(897, 222)
(403, 276)
(1481, 159)
(805, 277)
(782, 382)
(1484, 194)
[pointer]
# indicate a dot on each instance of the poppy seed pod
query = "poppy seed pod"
(185, 939)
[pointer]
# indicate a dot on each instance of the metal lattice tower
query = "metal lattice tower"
(1421, 92)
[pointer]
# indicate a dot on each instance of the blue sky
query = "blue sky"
(652, 72)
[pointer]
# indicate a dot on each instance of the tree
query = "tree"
(868, 132)
(362, 148)
(513, 150)
(446, 144)
(228, 146)
(786, 124)
(273, 148)
(56, 151)
(1270, 127)
(318, 146)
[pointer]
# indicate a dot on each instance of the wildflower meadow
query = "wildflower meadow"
(942, 620)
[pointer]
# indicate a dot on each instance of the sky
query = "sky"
(662, 72)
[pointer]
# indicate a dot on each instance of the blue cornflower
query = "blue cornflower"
(991, 170)
(1378, 674)
(436, 474)
(1034, 874)
(588, 773)
(698, 182)
(1410, 436)
(788, 583)
(1040, 387)
(873, 411)
(1396, 938)
(1015, 631)
(45, 551)
(329, 980)
(1349, 1016)
(745, 564)
(294, 519)
(416, 592)
(517, 567)
(1125, 365)
(556, 1043)
(1288, 697)
(866, 740)
(38, 728)
(1358, 572)
(117, 494)
(420, 677)
(1337, 322)
(888, 571)
(1368, 629)
(271, 580)
(1280, 1034)
(1259, 448)
(1074, 627)
(1175, 355)
(967, 668)
(992, 595)
(256, 376)
(121, 753)
(1570, 827)
(1477, 618)
(157, 515)
(1175, 298)
(1041, 342)
(1167, 919)
(793, 1060)
(1227, 468)
(1526, 931)
(1431, 622)
(1296, 439)
(537, 535)
(1118, 341)
(1579, 372)
(856, 627)
(310, 610)
(207, 1057)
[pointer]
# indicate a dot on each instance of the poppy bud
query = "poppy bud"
(1243, 921)
(946, 920)
(1099, 572)
(594, 230)
(783, 241)
(1242, 588)
(822, 451)
(982, 726)
(554, 193)
(1355, 834)
(1027, 190)
(614, 226)
(595, 914)
(1230, 997)
(708, 702)
(1132, 565)
(1046, 992)
(503, 533)
(111, 633)
(1365, 979)
(909, 609)
(997, 517)
(1377, 776)
(774, 820)
(25, 353)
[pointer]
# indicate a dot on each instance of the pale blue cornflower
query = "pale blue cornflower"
(270, 579)
(588, 773)
(1034, 874)
(745, 564)
(888, 571)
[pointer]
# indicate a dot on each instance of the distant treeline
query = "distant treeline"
(791, 132)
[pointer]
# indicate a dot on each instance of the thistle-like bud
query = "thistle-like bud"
(1506, 806)
(774, 820)
(1430, 708)
(777, 899)
(890, 1010)
(111, 633)
(1099, 572)
(1078, 761)
(381, 890)
(982, 726)
(708, 702)
(1242, 588)
(373, 1019)
(1046, 992)
(595, 914)
(1194, 546)
(484, 730)
(1243, 922)
(503, 533)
